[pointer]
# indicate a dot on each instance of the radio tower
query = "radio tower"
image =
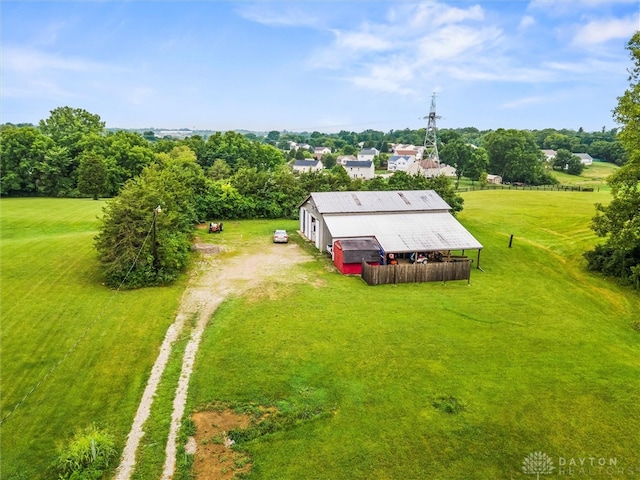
(431, 135)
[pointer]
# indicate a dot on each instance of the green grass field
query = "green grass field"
(541, 353)
(52, 299)
(595, 176)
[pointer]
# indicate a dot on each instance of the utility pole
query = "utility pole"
(154, 246)
(431, 135)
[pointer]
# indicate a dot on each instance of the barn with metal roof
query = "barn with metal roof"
(402, 222)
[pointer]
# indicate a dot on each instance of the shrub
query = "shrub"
(448, 404)
(622, 264)
(86, 456)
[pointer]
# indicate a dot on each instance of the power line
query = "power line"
(84, 334)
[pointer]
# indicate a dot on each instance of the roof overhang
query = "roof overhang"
(411, 232)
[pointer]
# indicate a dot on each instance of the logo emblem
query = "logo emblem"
(537, 463)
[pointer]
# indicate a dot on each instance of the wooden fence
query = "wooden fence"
(460, 269)
(550, 188)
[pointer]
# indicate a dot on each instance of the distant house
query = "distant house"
(342, 159)
(309, 165)
(367, 154)
(319, 151)
(430, 168)
(411, 150)
(298, 146)
(550, 154)
(360, 169)
(494, 179)
(400, 163)
(585, 158)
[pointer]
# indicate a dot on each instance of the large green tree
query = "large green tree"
(66, 126)
(92, 175)
(477, 165)
(619, 221)
(457, 154)
(567, 161)
(514, 155)
(139, 245)
(22, 151)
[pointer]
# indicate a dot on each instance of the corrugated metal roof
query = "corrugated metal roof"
(415, 232)
(383, 201)
(363, 243)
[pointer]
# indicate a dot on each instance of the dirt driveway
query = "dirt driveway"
(215, 277)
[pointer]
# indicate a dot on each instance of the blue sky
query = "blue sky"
(325, 65)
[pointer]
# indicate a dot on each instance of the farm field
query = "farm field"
(594, 176)
(540, 354)
(537, 353)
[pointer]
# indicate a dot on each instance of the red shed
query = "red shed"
(348, 254)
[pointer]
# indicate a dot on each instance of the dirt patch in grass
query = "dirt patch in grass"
(207, 248)
(214, 457)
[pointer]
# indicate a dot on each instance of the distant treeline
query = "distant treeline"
(71, 153)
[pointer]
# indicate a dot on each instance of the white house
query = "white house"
(319, 151)
(412, 150)
(550, 154)
(585, 158)
(297, 146)
(400, 163)
(307, 165)
(367, 154)
(430, 168)
(494, 179)
(342, 159)
(360, 169)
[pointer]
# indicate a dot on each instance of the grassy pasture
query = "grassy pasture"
(52, 297)
(540, 353)
(594, 175)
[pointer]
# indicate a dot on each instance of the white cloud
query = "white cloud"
(25, 60)
(31, 87)
(267, 14)
(500, 70)
(455, 41)
(603, 30)
(527, 21)
(360, 41)
(393, 54)
(522, 102)
(389, 77)
(434, 14)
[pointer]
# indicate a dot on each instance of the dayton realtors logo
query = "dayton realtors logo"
(537, 463)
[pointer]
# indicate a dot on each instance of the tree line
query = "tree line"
(619, 221)
(72, 154)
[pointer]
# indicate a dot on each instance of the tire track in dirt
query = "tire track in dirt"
(213, 280)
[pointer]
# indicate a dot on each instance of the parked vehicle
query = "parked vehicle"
(215, 227)
(280, 236)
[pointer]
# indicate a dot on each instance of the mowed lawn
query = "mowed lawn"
(542, 355)
(79, 352)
